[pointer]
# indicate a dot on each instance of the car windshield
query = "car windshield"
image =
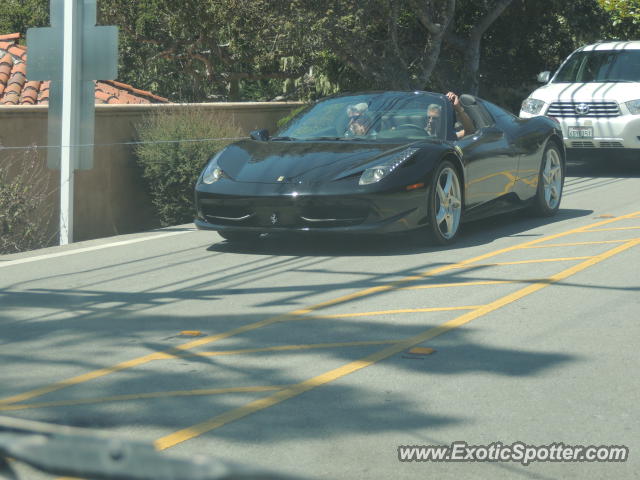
(601, 66)
(371, 117)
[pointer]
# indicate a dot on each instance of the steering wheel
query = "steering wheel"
(411, 127)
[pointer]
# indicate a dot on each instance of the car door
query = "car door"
(527, 142)
(491, 162)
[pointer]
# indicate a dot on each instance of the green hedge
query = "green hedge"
(173, 153)
(26, 204)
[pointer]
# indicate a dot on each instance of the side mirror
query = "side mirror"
(259, 135)
(544, 77)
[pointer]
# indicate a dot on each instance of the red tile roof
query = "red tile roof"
(16, 89)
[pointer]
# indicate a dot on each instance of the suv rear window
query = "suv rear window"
(601, 66)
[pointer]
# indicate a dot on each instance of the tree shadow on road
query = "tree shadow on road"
(331, 410)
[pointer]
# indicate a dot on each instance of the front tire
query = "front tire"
(445, 204)
(550, 183)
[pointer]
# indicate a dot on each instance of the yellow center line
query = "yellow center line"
(460, 284)
(292, 315)
(474, 283)
(395, 285)
(80, 379)
(144, 396)
(401, 310)
(576, 244)
(610, 229)
(523, 262)
(283, 348)
(200, 392)
(295, 390)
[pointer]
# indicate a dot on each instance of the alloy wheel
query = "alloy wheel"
(448, 202)
(552, 178)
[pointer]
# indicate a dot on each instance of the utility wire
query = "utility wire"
(155, 142)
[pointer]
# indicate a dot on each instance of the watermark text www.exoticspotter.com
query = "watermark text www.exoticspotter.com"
(516, 452)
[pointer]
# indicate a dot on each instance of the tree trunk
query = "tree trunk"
(436, 31)
(472, 63)
(234, 89)
(471, 46)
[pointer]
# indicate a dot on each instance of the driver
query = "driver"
(434, 115)
(467, 124)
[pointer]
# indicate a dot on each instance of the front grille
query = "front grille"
(594, 109)
(332, 214)
(285, 212)
(222, 210)
(611, 145)
(224, 213)
(582, 145)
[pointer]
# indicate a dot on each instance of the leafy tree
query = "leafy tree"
(202, 49)
(625, 18)
(527, 38)
(391, 44)
(18, 15)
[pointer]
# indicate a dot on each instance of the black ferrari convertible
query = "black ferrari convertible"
(383, 162)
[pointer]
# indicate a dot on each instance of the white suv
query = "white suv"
(595, 95)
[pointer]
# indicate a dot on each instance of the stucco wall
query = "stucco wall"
(110, 199)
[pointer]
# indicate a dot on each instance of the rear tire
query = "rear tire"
(550, 183)
(445, 204)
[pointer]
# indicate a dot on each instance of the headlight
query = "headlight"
(532, 106)
(634, 107)
(377, 173)
(212, 173)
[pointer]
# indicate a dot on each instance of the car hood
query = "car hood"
(300, 161)
(588, 92)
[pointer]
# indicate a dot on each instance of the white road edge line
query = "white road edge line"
(20, 261)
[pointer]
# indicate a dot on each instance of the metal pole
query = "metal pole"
(70, 85)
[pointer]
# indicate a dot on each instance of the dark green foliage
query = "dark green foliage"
(204, 50)
(625, 18)
(16, 16)
(209, 50)
(173, 155)
(26, 204)
(530, 37)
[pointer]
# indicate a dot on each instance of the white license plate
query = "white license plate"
(580, 132)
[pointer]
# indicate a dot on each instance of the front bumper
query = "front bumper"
(380, 213)
(611, 133)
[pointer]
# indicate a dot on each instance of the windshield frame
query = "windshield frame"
(381, 107)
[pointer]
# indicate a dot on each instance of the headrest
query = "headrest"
(467, 100)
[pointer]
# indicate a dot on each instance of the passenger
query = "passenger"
(358, 122)
(461, 116)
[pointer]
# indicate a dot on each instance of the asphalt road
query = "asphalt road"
(299, 355)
